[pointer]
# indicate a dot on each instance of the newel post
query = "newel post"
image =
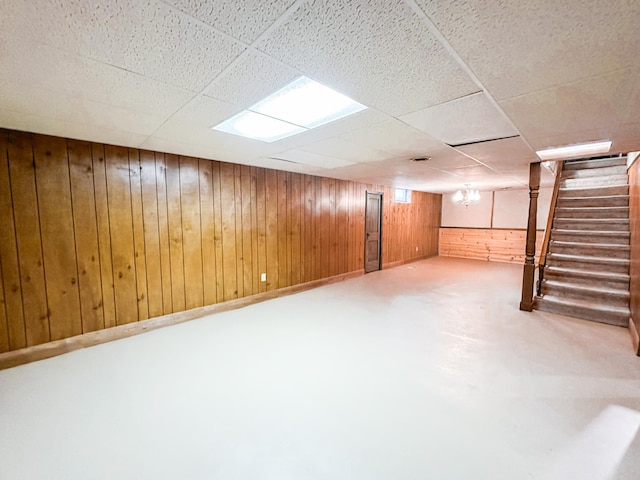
(526, 303)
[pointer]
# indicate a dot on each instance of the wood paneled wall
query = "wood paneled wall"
(93, 236)
(493, 245)
(634, 216)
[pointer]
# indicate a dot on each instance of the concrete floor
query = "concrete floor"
(428, 370)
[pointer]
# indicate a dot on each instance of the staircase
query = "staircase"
(586, 274)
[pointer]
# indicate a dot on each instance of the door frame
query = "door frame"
(366, 201)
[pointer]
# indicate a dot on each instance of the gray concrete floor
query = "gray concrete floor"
(428, 370)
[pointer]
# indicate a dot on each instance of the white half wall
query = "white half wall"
(500, 209)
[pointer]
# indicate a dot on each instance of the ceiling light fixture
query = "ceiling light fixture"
(297, 107)
(466, 197)
(579, 150)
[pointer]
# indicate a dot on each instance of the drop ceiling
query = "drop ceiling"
(476, 86)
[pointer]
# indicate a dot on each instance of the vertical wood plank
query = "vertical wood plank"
(138, 233)
(295, 228)
(247, 230)
(207, 228)
(318, 237)
(271, 203)
(104, 235)
(237, 185)
(86, 235)
(58, 241)
(261, 212)
(191, 234)
(163, 233)
(26, 216)
(12, 305)
(150, 224)
(174, 208)
(284, 272)
(255, 279)
(121, 227)
(228, 205)
(217, 227)
(4, 326)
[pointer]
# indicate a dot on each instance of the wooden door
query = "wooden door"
(373, 232)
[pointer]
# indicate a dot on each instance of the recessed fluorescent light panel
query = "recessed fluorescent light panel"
(295, 108)
(581, 150)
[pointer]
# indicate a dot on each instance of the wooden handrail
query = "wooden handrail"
(547, 231)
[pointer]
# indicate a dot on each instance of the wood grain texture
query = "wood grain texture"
(86, 233)
(121, 228)
(58, 242)
(104, 235)
(13, 330)
(634, 217)
(112, 236)
(493, 245)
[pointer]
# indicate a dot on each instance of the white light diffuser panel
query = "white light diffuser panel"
(581, 150)
(258, 127)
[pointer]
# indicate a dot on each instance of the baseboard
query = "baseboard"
(410, 260)
(59, 347)
(635, 336)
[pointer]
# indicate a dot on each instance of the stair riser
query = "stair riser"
(585, 280)
(593, 192)
(612, 212)
(595, 172)
(611, 318)
(587, 265)
(608, 181)
(621, 225)
(590, 237)
(571, 293)
(622, 201)
(589, 251)
(591, 164)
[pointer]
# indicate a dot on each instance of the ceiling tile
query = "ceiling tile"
(311, 159)
(507, 153)
(277, 164)
(378, 53)
(79, 129)
(516, 47)
(251, 78)
(594, 103)
(147, 37)
(84, 78)
(245, 20)
(33, 101)
(339, 148)
(395, 138)
(468, 119)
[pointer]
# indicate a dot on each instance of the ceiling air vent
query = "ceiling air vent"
(420, 159)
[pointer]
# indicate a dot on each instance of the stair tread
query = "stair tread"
(586, 304)
(590, 259)
(587, 273)
(588, 288)
(593, 220)
(564, 243)
(589, 197)
(602, 233)
(606, 208)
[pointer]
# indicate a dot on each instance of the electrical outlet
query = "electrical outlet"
(263, 277)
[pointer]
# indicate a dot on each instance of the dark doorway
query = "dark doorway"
(373, 232)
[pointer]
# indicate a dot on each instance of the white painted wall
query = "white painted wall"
(508, 208)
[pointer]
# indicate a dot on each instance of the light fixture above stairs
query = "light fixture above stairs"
(586, 271)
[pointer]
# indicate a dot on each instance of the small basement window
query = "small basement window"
(403, 195)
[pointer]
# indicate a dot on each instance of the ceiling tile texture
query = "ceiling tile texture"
(158, 74)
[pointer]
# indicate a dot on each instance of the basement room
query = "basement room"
(319, 239)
